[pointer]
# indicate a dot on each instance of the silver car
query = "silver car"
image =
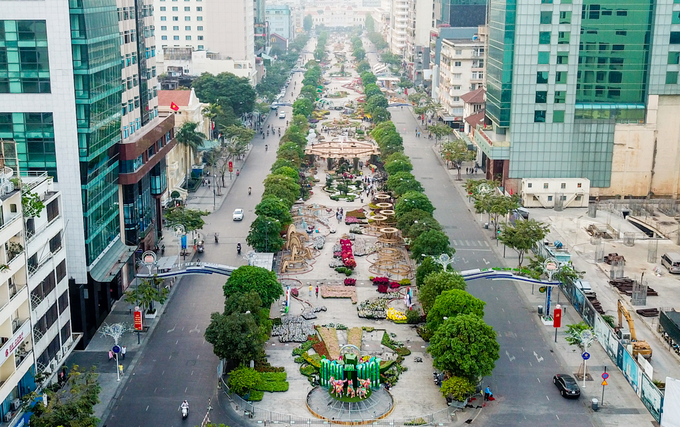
(238, 215)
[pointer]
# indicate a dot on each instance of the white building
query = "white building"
(461, 70)
(53, 339)
(549, 192)
(178, 61)
(224, 27)
(280, 20)
(336, 15)
(420, 22)
(399, 25)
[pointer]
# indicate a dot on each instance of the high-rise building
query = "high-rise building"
(399, 26)
(584, 89)
(60, 101)
(460, 13)
(280, 21)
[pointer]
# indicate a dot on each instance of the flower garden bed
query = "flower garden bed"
(330, 338)
(354, 336)
(346, 253)
(339, 292)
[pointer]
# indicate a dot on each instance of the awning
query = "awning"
(106, 268)
(209, 144)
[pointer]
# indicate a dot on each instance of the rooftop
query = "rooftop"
(179, 97)
(474, 97)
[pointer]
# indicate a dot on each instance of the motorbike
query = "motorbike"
(238, 248)
(217, 238)
(185, 410)
(249, 190)
(201, 247)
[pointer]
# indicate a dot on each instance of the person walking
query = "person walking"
(310, 289)
(123, 351)
(110, 355)
(317, 291)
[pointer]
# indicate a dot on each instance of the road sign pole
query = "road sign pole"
(605, 375)
(117, 370)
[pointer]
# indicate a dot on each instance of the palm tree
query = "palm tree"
(192, 140)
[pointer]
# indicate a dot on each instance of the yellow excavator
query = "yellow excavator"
(639, 347)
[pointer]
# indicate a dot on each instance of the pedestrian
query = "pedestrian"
(110, 355)
(342, 212)
(317, 291)
(310, 289)
(123, 352)
(487, 394)
(361, 198)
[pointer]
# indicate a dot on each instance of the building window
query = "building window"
(187, 38)
(187, 8)
(563, 37)
(200, 28)
(578, 197)
(162, 8)
(456, 87)
(675, 37)
(545, 185)
(199, 9)
(560, 96)
(200, 38)
(163, 18)
(673, 58)
(187, 18)
(457, 76)
(187, 28)
(199, 18)
(578, 185)
(543, 57)
(539, 116)
(562, 57)
(174, 9)
(541, 96)
(175, 18)
(544, 37)
(200, 46)
(563, 185)
(175, 37)
(621, 13)
(546, 1)
(561, 77)
(529, 185)
(175, 28)
(164, 28)
(164, 37)
(546, 17)
(671, 77)
(565, 17)
(456, 98)
(542, 77)
(457, 64)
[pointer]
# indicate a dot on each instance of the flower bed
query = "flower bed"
(394, 314)
(357, 213)
(354, 337)
(330, 339)
(339, 292)
(347, 255)
(350, 282)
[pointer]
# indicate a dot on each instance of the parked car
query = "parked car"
(282, 114)
(238, 215)
(567, 386)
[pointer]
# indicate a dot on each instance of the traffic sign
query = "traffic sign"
(605, 376)
(585, 355)
(116, 349)
(231, 166)
(138, 319)
(604, 382)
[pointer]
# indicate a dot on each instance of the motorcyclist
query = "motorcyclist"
(238, 248)
(249, 190)
(185, 409)
(217, 238)
(266, 147)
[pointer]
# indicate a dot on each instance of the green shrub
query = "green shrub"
(403, 351)
(413, 317)
(405, 282)
(272, 387)
(299, 359)
(256, 396)
(385, 365)
(243, 379)
(335, 197)
(307, 370)
(274, 376)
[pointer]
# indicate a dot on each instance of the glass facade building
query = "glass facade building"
(562, 73)
(460, 13)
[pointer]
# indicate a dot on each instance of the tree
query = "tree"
(191, 139)
(265, 235)
(457, 152)
(283, 180)
(458, 388)
(235, 337)
(413, 200)
(248, 278)
(413, 223)
(359, 53)
(405, 83)
(465, 346)
(71, 405)
(239, 134)
(290, 151)
(243, 379)
(242, 302)
(368, 78)
(308, 92)
(574, 335)
(451, 304)
(371, 90)
(522, 236)
(281, 192)
(397, 165)
(146, 293)
(496, 206)
(190, 219)
(369, 23)
(439, 131)
(288, 172)
(303, 106)
(431, 242)
(307, 23)
(376, 101)
(279, 163)
(363, 66)
(226, 89)
(427, 266)
(380, 115)
(275, 208)
(391, 59)
(435, 284)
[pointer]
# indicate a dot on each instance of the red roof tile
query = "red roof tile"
(474, 97)
(476, 119)
(179, 97)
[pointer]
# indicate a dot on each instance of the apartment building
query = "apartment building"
(399, 26)
(280, 21)
(584, 89)
(461, 70)
(417, 51)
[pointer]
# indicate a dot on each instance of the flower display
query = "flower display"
(347, 255)
(394, 284)
(382, 288)
(380, 281)
(350, 282)
(394, 314)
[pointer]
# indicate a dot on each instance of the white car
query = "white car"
(282, 114)
(238, 215)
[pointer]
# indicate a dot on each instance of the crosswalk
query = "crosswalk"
(469, 244)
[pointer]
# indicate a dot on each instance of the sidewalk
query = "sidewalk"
(96, 352)
(621, 406)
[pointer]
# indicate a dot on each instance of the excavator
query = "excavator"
(639, 347)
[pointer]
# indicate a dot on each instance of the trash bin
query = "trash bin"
(540, 310)
(595, 404)
(486, 225)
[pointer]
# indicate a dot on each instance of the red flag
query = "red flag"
(174, 107)
(405, 91)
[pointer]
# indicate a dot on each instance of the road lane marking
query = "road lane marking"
(558, 417)
(176, 342)
(540, 359)
(147, 408)
(173, 329)
(539, 380)
(485, 261)
(547, 397)
(195, 329)
(507, 353)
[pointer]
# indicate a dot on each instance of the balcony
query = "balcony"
(493, 145)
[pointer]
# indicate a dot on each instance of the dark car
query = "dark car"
(567, 385)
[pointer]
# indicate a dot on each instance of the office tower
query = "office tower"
(583, 89)
(460, 13)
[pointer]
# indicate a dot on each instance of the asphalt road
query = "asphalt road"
(177, 363)
(522, 379)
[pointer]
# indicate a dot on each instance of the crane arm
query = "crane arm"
(623, 311)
